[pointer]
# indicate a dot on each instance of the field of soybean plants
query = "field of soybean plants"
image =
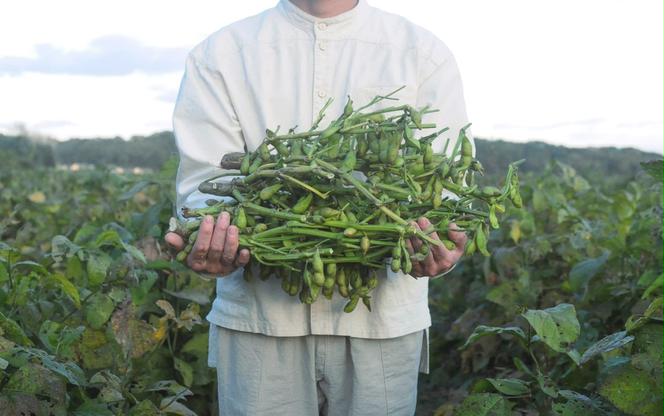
(563, 318)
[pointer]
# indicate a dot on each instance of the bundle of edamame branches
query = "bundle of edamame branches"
(324, 209)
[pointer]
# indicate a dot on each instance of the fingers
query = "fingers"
(458, 237)
(218, 238)
(174, 241)
(197, 259)
(417, 268)
(231, 245)
(243, 258)
(439, 252)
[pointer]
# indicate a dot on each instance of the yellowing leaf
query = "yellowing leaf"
(37, 197)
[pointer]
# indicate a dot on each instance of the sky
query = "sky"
(582, 73)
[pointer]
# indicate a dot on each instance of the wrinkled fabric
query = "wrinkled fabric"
(316, 374)
(278, 68)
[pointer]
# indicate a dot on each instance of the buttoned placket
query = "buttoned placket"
(321, 311)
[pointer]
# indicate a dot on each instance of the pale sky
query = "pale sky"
(577, 73)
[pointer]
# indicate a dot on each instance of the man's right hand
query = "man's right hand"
(216, 248)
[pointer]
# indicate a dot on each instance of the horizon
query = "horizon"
(595, 83)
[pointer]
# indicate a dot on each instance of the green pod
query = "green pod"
(328, 292)
(295, 147)
(428, 189)
(470, 248)
(481, 240)
(265, 273)
(493, 219)
(331, 271)
(270, 191)
(491, 191)
(295, 283)
(349, 161)
(303, 203)
(348, 108)
(240, 218)
(365, 243)
(349, 232)
(395, 265)
(329, 131)
(255, 165)
(372, 282)
(406, 262)
(436, 200)
(282, 148)
(307, 277)
(246, 163)
(317, 263)
(367, 302)
(352, 304)
(394, 146)
(427, 154)
(362, 145)
(373, 142)
(264, 152)
(355, 278)
(416, 116)
(450, 245)
(285, 283)
(351, 216)
(317, 278)
(260, 227)
(328, 212)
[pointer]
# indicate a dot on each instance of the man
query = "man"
(273, 354)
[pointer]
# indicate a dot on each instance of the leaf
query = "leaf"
(482, 330)
(484, 404)
(98, 309)
(510, 386)
(197, 295)
(68, 288)
(547, 386)
(185, 370)
(144, 408)
(635, 322)
(3, 364)
(653, 168)
(93, 408)
(12, 331)
(632, 391)
(656, 284)
(135, 336)
(61, 247)
(557, 327)
(97, 267)
(138, 186)
(582, 272)
(606, 344)
(37, 197)
(167, 308)
(169, 405)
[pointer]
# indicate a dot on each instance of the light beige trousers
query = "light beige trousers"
(315, 374)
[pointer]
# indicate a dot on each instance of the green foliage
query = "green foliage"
(94, 318)
(565, 317)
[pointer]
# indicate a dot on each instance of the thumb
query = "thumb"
(174, 240)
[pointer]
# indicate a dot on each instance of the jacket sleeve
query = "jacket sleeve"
(442, 89)
(205, 127)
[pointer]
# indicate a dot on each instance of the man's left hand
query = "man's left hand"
(440, 259)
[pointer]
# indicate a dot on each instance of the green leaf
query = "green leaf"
(484, 404)
(632, 391)
(185, 370)
(656, 284)
(653, 168)
(582, 272)
(98, 309)
(168, 405)
(68, 288)
(97, 267)
(606, 344)
(12, 331)
(576, 404)
(93, 408)
(61, 247)
(197, 295)
(144, 408)
(482, 330)
(547, 386)
(557, 327)
(510, 386)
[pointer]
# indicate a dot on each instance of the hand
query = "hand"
(216, 248)
(439, 259)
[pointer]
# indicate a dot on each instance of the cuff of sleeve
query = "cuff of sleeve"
(444, 273)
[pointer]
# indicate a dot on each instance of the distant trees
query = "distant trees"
(152, 151)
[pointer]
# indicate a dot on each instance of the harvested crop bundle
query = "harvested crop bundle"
(327, 207)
